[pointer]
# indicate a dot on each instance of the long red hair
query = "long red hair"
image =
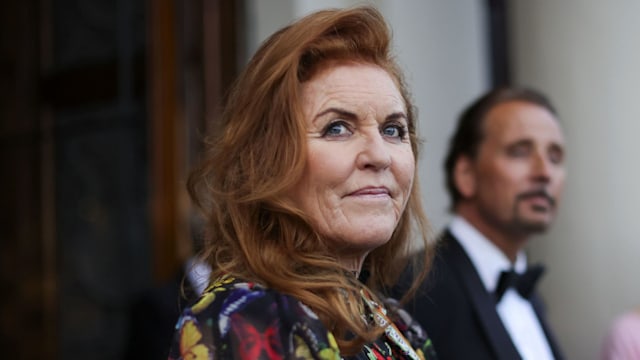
(257, 152)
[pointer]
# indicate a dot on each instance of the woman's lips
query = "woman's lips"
(372, 191)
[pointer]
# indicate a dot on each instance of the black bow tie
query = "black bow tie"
(523, 283)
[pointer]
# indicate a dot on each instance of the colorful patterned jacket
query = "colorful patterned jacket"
(241, 320)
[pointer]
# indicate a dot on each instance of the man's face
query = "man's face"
(518, 175)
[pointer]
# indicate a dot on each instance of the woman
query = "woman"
(308, 185)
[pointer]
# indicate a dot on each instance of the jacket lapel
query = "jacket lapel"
(538, 307)
(483, 302)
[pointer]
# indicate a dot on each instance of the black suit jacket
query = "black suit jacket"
(459, 314)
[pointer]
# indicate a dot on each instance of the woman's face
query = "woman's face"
(360, 164)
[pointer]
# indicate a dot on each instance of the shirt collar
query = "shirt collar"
(486, 257)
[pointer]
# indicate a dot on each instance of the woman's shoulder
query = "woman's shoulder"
(235, 316)
(228, 297)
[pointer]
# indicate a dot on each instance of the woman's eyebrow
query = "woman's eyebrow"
(396, 116)
(348, 115)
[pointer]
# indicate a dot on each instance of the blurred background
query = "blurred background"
(103, 104)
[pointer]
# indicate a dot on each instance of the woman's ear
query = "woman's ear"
(465, 177)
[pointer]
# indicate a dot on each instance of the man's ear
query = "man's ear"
(464, 177)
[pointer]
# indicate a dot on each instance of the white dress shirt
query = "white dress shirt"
(516, 312)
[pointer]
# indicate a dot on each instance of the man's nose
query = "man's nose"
(542, 168)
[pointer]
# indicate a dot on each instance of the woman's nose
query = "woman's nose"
(374, 153)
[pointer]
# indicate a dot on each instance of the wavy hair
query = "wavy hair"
(257, 153)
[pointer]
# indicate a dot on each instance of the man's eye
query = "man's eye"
(337, 128)
(396, 131)
(519, 151)
(556, 157)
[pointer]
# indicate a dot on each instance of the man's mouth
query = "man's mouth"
(540, 199)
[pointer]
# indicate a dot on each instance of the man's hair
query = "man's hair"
(469, 133)
(258, 151)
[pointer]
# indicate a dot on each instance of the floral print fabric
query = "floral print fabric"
(241, 320)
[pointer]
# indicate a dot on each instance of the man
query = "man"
(505, 174)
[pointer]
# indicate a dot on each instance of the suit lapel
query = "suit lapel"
(483, 302)
(538, 307)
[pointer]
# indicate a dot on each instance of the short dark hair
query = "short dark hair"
(469, 132)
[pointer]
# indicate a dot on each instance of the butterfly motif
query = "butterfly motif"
(236, 301)
(190, 346)
(254, 343)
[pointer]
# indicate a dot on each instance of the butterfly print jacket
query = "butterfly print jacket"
(242, 320)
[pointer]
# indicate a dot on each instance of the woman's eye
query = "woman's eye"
(396, 131)
(337, 128)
